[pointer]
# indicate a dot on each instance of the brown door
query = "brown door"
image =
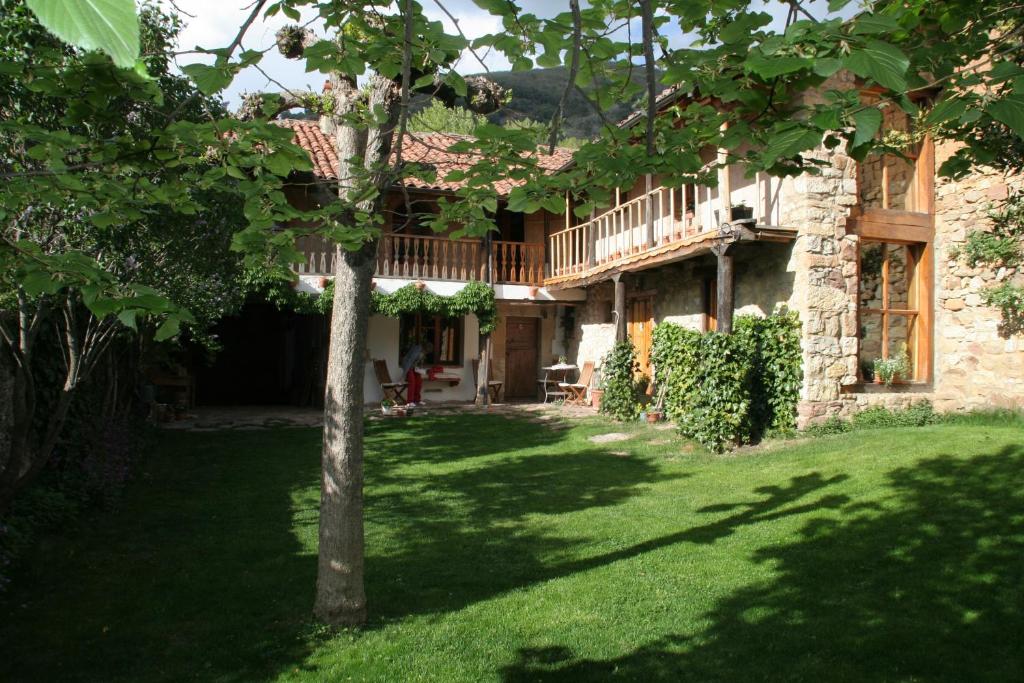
(640, 325)
(521, 358)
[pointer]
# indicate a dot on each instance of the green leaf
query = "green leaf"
(873, 23)
(127, 318)
(110, 26)
(881, 62)
(168, 329)
(209, 79)
(1009, 111)
(826, 66)
(770, 67)
(868, 121)
(790, 141)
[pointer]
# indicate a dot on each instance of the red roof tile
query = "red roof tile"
(424, 148)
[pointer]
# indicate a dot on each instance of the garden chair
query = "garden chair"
(576, 392)
(493, 386)
(393, 390)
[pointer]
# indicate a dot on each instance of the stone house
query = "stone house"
(865, 253)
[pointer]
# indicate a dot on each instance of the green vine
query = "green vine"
(618, 375)
(729, 389)
(1002, 246)
(476, 298)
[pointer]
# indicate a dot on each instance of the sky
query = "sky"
(215, 22)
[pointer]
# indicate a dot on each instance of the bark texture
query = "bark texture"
(340, 596)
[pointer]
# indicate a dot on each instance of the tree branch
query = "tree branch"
(647, 26)
(574, 66)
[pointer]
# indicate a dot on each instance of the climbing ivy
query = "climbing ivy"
(730, 389)
(476, 298)
(1002, 247)
(618, 371)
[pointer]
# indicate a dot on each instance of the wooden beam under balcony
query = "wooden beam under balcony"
(690, 247)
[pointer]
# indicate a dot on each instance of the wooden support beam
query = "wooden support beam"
(620, 307)
(725, 279)
(724, 182)
(649, 211)
(592, 237)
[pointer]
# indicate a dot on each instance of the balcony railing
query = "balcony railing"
(626, 230)
(417, 257)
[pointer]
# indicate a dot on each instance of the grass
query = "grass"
(500, 549)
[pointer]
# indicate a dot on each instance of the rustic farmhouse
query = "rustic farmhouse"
(865, 253)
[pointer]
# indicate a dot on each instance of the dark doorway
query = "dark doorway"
(268, 357)
(521, 358)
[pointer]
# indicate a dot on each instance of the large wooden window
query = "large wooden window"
(440, 338)
(894, 299)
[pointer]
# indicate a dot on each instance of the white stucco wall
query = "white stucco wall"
(382, 342)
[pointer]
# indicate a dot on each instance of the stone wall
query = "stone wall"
(594, 333)
(977, 364)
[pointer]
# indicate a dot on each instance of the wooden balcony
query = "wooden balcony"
(661, 223)
(417, 257)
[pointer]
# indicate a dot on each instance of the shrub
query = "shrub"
(833, 425)
(618, 372)
(731, 389)
(778, 371)
(876, 417)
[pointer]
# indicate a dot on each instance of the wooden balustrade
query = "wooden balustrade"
(436, 258)
(518, 262)
(430, 258)
(661, 216)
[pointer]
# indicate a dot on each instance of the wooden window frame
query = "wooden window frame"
(922, 191)
(919, 239)
(423, 323)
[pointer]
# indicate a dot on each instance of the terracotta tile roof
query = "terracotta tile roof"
(424, 148)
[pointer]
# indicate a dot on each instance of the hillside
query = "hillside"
(535, 94)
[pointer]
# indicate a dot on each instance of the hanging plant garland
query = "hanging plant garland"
(476, 298)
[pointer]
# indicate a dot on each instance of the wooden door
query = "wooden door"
(639, 327)
(521, 357)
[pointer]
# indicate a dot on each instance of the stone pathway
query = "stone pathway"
(212, 418)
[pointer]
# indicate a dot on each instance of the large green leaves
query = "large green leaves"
(881, 62)
(110, 26)
(1009, 111)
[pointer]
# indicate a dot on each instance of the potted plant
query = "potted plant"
(741, 211)
(563, 360)
(387, 406)
(888, 370)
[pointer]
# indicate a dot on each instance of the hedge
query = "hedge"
(731, 389)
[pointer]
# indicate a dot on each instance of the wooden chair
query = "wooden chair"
(493, 386)
(576, 392)
(393, 390)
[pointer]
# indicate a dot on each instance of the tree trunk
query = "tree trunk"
(340, 598)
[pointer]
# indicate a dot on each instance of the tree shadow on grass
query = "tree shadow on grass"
(450, 539)
(447, 539)
(928, 586)
(199, 574)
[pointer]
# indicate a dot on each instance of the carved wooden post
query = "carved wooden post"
(649, 211)
(483, 394)
(724, 251)
(620, 307)
(592, 236)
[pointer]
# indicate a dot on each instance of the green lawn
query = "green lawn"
(500, 549)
